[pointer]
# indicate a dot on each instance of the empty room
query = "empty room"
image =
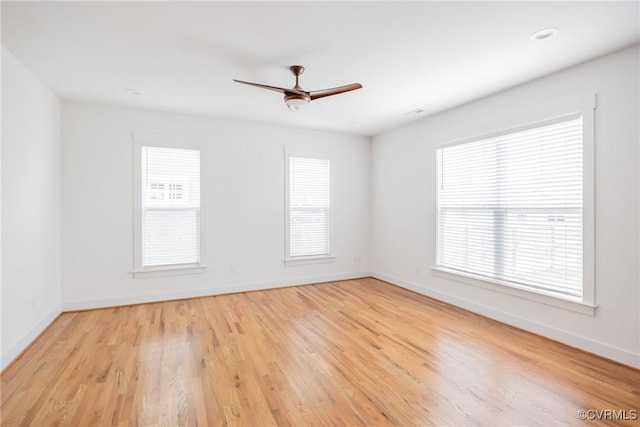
(320, 213)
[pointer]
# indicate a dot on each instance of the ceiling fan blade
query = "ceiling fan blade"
(274, 88)
(315, 94)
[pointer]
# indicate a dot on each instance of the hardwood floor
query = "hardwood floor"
(353, 353)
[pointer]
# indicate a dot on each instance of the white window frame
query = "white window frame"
(586, 106)
(164, 141)
(315, 259)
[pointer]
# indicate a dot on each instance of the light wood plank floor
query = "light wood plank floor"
(352, 353)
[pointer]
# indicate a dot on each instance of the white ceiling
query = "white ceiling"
(407, 55)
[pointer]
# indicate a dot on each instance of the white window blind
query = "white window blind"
(170, 206)
(510, 208)
(308, 207)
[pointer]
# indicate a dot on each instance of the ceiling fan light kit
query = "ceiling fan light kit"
(296, 97)
(296, 102)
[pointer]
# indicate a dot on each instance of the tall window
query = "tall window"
(170, 206)
(510, 208)
(308, 208)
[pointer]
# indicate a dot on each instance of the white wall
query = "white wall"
(403, 206)
(31, 289)
(243, 192)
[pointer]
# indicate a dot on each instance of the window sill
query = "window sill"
(169, 271)
(290, 262)
(540, 296)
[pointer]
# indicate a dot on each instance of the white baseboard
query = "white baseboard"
(194, 293)
(8, 355)
(617, 354)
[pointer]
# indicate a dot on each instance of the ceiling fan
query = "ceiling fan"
(297, 97)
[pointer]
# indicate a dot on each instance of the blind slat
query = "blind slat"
(308, 207)
(170, 206)
(510, 207)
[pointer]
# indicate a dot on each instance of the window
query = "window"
(510, 208)
(169, 208)
(308, 208)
